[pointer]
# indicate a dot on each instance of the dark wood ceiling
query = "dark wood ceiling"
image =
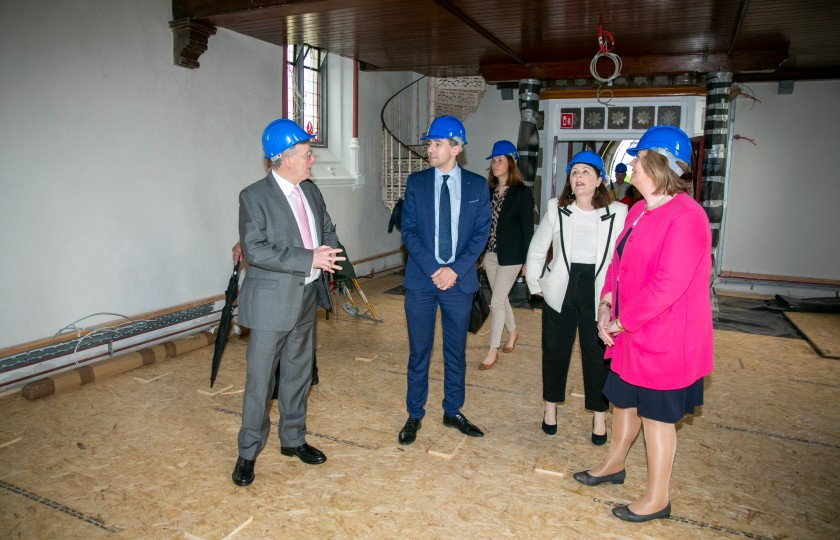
(514, 39)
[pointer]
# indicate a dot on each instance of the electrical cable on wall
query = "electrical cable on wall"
(746, 92)
(72, 326)
(115, 331)
(606, 43)
(741, 137)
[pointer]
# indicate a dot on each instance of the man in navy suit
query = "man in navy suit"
(445, 224)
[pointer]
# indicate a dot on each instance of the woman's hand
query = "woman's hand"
(612, 329)
(603, 323)
(603, 316)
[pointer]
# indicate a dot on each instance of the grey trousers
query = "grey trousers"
(293, 352)
(501, 279)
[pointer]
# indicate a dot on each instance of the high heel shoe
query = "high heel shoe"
(598, 440)
(509, 348)
(550, 429)
(585, 478)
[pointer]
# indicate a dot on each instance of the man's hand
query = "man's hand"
(444, 278)
(325, 257)
(236, 251)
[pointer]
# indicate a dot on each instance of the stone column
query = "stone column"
(715, 150)
(716, 139)
(528, 144)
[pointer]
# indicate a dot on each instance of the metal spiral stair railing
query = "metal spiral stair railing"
(406, 116)
(403, 122)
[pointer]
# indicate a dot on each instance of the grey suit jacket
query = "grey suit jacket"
(272, 291)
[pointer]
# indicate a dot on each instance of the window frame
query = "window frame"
(296, 88)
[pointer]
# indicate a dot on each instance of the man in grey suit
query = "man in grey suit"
(281, 221)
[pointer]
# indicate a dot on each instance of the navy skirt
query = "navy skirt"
(661, 405)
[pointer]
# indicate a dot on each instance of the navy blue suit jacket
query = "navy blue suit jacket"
(418, 230)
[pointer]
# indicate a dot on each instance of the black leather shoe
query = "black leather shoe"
(585, 478)
(624, 512)
(460, 422)
(409, 431)
(307, 454)
(243, 473)
(598, 440)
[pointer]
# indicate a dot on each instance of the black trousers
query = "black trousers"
(577, 315)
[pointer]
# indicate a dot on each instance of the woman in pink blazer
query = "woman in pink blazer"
(655, 317)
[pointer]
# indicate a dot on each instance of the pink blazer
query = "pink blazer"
(662, 283)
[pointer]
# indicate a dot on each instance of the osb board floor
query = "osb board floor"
(821, 329)
(148, 453)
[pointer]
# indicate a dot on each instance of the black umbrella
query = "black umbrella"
(345, 275)
(224, 323)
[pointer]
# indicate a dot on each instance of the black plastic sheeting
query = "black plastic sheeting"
(754, 317)
(767, 317)
(811, 305)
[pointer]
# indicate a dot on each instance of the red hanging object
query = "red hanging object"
(309, 127)
(605, 40)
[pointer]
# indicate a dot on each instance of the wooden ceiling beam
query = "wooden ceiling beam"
(764, 61)
(201, 9)
(482, 31)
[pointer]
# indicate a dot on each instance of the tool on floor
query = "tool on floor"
(344, 282)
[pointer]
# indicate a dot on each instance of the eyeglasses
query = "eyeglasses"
(307, 155)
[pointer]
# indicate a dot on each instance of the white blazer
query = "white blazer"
(556, 230)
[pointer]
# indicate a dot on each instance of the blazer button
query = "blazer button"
(301, 283)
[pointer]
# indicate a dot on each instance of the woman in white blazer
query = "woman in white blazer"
(580, 226)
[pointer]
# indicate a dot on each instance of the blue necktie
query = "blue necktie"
(445, 222)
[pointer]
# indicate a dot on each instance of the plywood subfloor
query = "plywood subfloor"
(148, 453)
(821, 329)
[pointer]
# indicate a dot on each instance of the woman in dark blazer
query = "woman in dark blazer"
(511, 229)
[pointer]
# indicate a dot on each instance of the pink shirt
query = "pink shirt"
(662, 279)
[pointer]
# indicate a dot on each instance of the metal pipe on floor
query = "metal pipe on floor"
(82, 375)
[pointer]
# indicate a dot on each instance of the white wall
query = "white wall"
(121, 171)
(495, 119)
(784, 190)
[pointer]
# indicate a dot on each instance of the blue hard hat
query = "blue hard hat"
(621, 167)
(280, 135)
(445, 127)
(588, 157)
(668, 138)
(504, 148)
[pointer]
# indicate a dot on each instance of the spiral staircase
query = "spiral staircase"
(406, 117)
